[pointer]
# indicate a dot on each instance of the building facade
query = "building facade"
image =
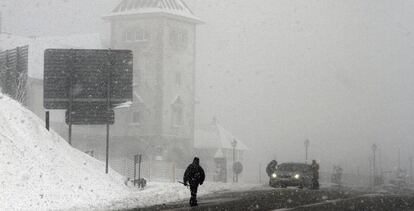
(160, 122)
(162, 36)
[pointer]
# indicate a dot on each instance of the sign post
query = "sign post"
(237, 169)
(69, 68)
(139, 167)
(47, 120)
(135, 169)
(307, 143)
(89, 84)
(108, 107)
(234, 144)
(137, 159)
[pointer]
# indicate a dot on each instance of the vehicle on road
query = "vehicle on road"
(293, 174)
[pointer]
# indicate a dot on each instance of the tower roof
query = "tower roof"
(169, 8)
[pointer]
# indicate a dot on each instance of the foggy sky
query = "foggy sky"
(337, 72)
(277, 72)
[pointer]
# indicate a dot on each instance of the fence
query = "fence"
(14, 73)
(161, 171)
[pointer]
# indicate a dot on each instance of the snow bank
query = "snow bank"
(39, 170)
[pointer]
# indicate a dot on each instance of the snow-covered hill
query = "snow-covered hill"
(39, 170)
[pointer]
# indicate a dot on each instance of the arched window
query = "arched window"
(177, 114)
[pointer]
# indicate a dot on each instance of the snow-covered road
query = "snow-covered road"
(163, 193)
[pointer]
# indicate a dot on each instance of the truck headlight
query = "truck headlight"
(274, 175)
(297, 176)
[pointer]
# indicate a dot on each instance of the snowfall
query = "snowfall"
(39, 170)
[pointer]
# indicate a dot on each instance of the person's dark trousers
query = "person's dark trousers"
(193, 199)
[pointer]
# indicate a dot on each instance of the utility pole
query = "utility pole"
(108, 108)
(374, 148)
(307, 143)
(400, 175)
(260, 173)
(234, 144)
(411, 170)
(399, 160)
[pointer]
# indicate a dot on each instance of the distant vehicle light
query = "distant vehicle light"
(297, 176)
(274, 175)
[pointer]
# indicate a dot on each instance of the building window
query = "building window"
(182, 36)
(129, 36)
(141, 35)
(178, 38)
(136, 35)
(177, 112)
(177, 115)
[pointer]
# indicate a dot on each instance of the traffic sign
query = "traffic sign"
(237, 167)
(90, 114)
(83, 76)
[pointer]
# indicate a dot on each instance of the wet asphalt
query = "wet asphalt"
(263, 199)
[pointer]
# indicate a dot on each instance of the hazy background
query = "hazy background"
(276, 72)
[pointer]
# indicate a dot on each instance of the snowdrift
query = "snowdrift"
(40, 171)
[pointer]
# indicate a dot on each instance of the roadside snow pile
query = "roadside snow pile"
(40, 171)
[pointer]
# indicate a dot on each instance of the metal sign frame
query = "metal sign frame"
(89, 84)
(82, 74)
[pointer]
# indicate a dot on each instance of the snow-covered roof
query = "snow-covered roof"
(37, 46)
(215, 136)
(171, 8)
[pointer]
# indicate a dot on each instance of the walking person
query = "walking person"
(194, 176)
(315, 172)
(271, 167)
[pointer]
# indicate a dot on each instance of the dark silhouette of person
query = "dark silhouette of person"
(271, 167)
(194, 176)
(315, 172)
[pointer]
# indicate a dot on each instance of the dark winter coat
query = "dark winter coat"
(315, 169)
(271, 167)
(194, 174)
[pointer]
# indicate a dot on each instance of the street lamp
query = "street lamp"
(234, 144)
(374, 148)
(411, 170)
(307, 143)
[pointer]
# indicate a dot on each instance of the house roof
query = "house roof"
(215, 136)
(171, 8)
